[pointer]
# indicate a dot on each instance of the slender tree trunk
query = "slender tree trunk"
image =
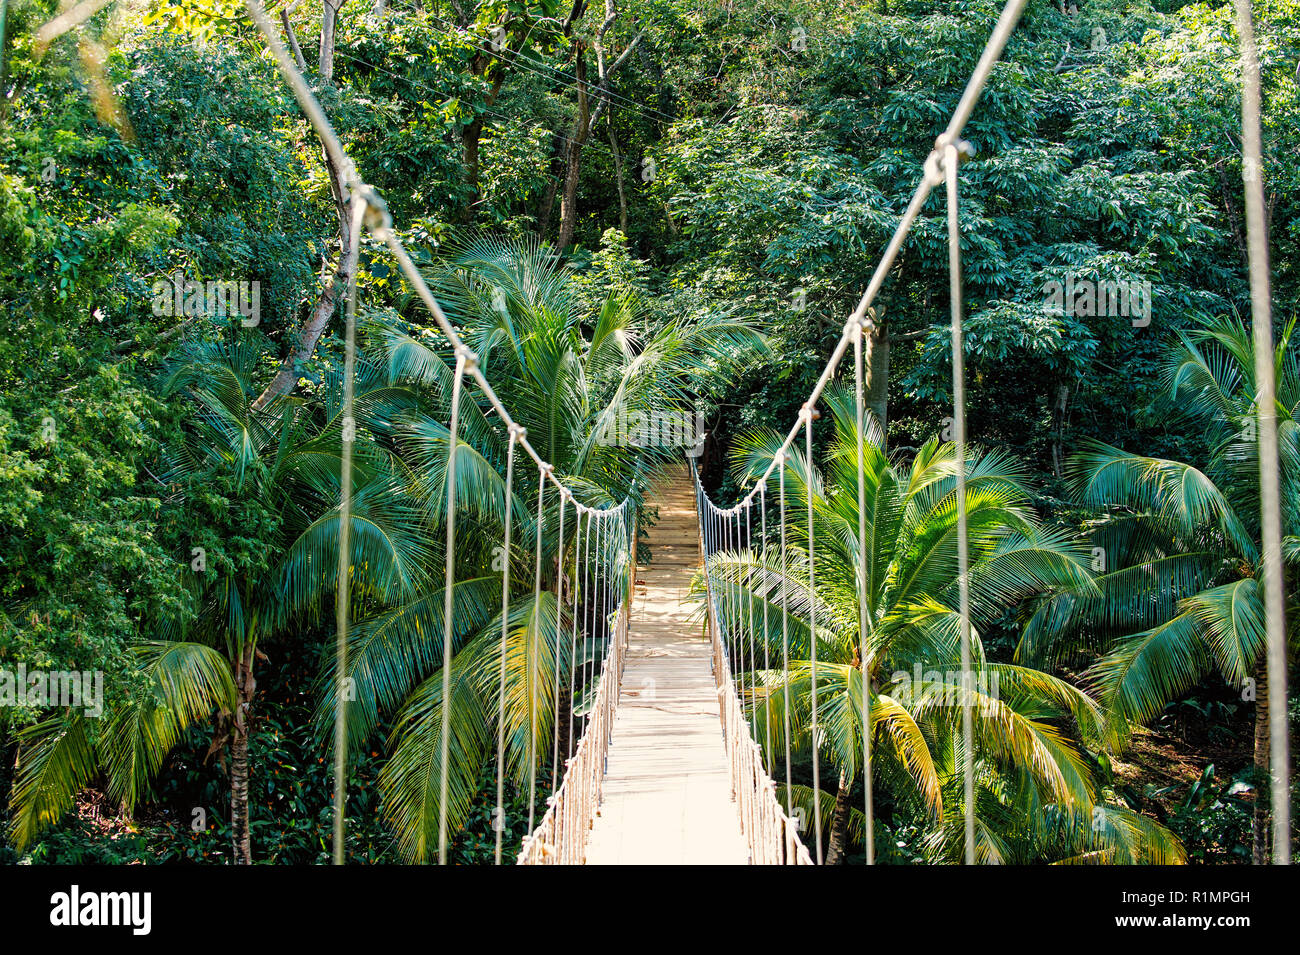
(1260, 841)
(877, 397)
(1058, 429)
(241, 835)
(286, 377)
(838, 845)
(547, 205)
(328, 27)
(618, 177)
(588, 116)
(573, 158)
(319, 318)
(471, 137)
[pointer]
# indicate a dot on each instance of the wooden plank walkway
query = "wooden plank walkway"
(667, 792)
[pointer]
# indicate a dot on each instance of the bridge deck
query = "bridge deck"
(667, 795)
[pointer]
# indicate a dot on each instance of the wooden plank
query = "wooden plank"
(667, 792)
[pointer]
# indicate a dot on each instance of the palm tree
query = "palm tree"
(281, 467)
(1036, 798)
(1180, 595)
(572, 385)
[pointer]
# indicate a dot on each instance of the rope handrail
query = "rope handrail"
(772, 833)
(560, 838)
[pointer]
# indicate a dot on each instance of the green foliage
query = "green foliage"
(741, 181)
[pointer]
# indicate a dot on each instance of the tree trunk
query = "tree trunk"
(618, 177)
(547, 205)
(838, 845)
(877, 397)
(471, 137)
(241, 835)
(328, 24)
(1058, 429)
(1260, 841)
(588, 117)
(286, 377)
(573, 158)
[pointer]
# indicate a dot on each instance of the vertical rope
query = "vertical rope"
(573, 639)
(1273, 576)
(589, 571)
(343, 588)
(533, 650)
(499, 823)
(559, 632)
(963, 541)
(785, 644)
(749, 593)
(767, 661)
(729, 547)
(448, 609)
(596, 596)
(863, 557)
(812, 639)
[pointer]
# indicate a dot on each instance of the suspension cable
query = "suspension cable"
(864, 562)
(499, 822)
(950, 159)
(812, 635)
(767, 662)
(785, 649)
(1270, 498)
(533, 651)
(573, 639)
(343, 591)
(559, 632)
(448, 603)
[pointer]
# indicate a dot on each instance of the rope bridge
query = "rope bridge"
(604, 572)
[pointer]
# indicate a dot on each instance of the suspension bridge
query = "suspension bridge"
(665, 766)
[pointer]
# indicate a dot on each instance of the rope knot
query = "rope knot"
(934, 163)
(463, 354)
(376, 217)
(518, 431)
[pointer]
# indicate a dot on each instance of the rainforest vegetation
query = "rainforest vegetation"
(644, 205)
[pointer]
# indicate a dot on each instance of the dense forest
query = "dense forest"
(645, 204)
